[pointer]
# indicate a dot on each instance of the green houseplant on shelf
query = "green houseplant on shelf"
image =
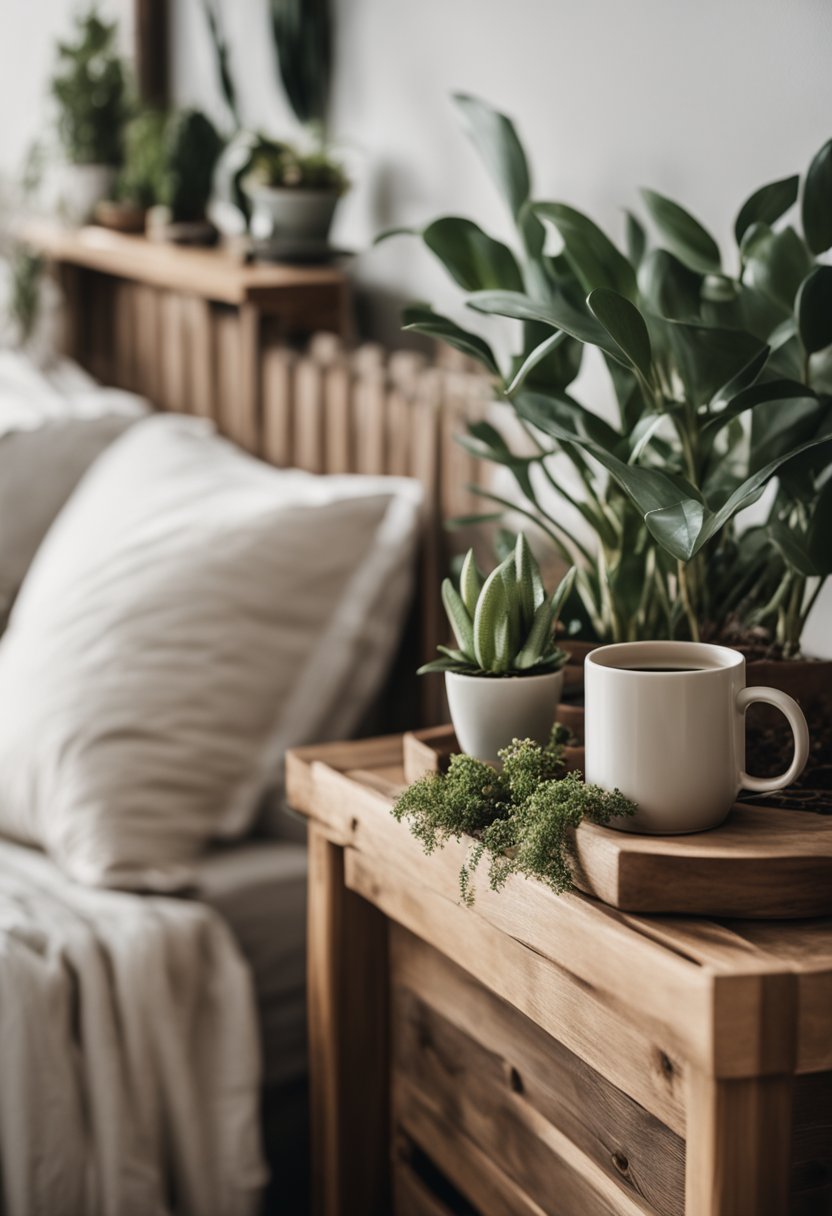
(293, 194)
(504, 676)
(89, 87)
(721, 374)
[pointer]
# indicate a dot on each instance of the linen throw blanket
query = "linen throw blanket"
(129, 1053)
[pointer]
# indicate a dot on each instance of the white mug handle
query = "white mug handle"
(788, 706)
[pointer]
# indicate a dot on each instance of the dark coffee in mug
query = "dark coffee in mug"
(662, 669)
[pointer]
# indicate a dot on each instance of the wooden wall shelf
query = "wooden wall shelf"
(218, 274)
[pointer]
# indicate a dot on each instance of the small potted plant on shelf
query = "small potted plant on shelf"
(293, 197)
(90, 90)
(180, 174)
(138, 186)
(504, 676)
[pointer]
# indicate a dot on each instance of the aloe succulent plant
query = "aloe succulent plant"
(503, 623)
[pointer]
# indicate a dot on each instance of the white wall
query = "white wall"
(703, 101)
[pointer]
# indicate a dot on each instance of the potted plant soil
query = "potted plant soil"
(504, 678)
(722, 373)
(90, 90)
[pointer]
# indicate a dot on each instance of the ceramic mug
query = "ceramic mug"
(665, 724)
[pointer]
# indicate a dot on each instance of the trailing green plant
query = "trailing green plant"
(90, 88)
(522, 818)
(722, 376)
(191, 148)
(276, 163)
(504, 624)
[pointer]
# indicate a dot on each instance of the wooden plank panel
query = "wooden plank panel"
(338, 418)
(173, 355)
(531, 1177)
(738, 1146)
(125, 373)
(476, 1175)
(453, 1037)
(147, 341)
(202, 369)
(226, 326)
(347, 1011)
(369, 422)
(630, 1054)
(308, 408)
(278, 411)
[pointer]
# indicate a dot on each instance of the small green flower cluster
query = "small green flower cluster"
(523, 817)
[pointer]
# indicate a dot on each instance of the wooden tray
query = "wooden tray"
(761, 864)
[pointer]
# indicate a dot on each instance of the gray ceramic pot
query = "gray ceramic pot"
(291, 214)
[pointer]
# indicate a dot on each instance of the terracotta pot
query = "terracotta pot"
(573, 672)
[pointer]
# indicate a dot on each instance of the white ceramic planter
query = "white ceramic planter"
(289, 214)
(489, 711)
(81, 187)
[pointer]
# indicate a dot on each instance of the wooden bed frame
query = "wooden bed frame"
(196, 331)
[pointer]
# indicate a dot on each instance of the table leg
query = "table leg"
(348, 1055)
(739, 1143)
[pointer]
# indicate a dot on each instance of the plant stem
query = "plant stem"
(684, 592)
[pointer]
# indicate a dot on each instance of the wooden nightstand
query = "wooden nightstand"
(543, 1054)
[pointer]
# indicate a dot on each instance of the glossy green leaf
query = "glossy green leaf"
(534, 359)
(527, 579)
(496, 140)
(564, 418)
(706, 357)
(780, 395)
(819, 540)
(670, 288)
(742, 379)
(775, 263)
(592, 255)
(677, 528)
(635, 238)
(421, 318)
(556, 312)
(458, 616)
(625, 325)
(684, 235)
(766, 205)
(814, 310)
(793, 548)
(475, 260)
(816, 209)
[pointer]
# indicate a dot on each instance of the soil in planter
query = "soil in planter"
(769, 750)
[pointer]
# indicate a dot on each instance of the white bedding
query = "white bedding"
(129, 1058)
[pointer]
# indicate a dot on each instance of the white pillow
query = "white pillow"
(52, 427)
(190, 614)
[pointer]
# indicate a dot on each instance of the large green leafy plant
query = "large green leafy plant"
(721, 374)
(504, 624)
(90, 89)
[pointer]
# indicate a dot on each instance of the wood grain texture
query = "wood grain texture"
(495, 1071)
(347, 998)
(738, 1146)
